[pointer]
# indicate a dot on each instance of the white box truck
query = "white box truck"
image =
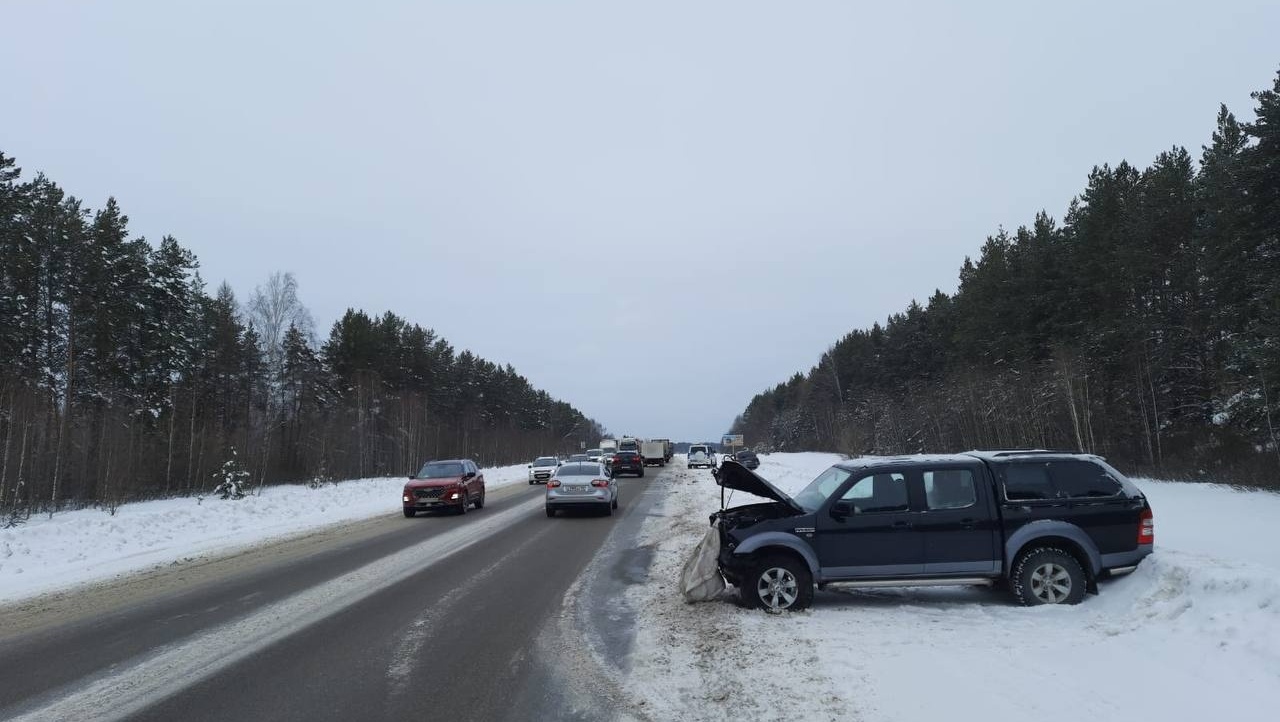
(654, 453)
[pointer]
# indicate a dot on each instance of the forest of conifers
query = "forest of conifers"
(1145, 327)
(120, 378)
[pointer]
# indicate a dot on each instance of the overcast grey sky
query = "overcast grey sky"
(653, 210)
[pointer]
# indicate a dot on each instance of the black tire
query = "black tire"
(615, 503)
(410, 513)
(480, 501)
(641, 474)
(532, 482)
(551, 513)
(466, 502)
(778, 582)
(690, 466)
(1047, 575)
(608, 509)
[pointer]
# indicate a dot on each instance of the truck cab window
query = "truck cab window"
(878, 493)
(949, 489)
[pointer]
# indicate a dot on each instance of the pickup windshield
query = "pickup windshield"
(821, 488)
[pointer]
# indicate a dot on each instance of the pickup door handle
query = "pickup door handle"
(901, 525)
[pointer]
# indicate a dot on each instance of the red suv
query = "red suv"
(455, 484)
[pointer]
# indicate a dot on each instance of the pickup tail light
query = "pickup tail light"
(599, 483)
(553, 483)
(1146, 527)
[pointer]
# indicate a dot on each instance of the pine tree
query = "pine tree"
(169, 328)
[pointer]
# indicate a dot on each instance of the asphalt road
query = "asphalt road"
(500, 614)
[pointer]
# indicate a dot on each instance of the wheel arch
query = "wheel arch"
(1057, 535)
(779, 543)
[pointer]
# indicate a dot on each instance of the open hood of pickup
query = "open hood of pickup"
(732, 475)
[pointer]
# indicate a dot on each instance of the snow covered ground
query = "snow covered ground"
(1193, 634)
(73, 547)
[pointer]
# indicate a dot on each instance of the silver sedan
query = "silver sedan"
(582, 485)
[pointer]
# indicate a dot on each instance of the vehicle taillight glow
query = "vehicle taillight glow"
(1146, 527)
(553, 483)
(616, 459)
(601, 483)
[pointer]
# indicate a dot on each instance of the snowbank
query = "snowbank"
(91, 545)
(1193, 634)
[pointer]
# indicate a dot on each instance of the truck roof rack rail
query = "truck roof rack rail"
(1029, 452)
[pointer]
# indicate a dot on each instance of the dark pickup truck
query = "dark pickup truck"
(1048, 524)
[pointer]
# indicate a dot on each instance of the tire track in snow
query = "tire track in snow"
(404, 658)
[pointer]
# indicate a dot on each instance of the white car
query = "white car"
(542, 469)
(596, 455)
(582, 485)
(701, 455)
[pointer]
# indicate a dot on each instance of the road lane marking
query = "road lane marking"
(129, 688)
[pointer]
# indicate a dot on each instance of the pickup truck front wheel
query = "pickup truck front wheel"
(778, 582)
(1046, 575)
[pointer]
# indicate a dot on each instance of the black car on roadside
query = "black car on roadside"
(748, 458)
(630, 462)
(1047, 525)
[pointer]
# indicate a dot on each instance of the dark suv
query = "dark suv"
(455, 484)
(630, 462)
(1047, 524)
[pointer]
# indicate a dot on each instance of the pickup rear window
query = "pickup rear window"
(1058, 479)
(1027, 482)
(1082, 480)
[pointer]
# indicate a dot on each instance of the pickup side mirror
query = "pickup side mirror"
(412, 477)
(530, 466)
(469, 475)
(841, 509)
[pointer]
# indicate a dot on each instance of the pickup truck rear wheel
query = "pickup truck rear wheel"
(1046, 575)
(778, 582)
